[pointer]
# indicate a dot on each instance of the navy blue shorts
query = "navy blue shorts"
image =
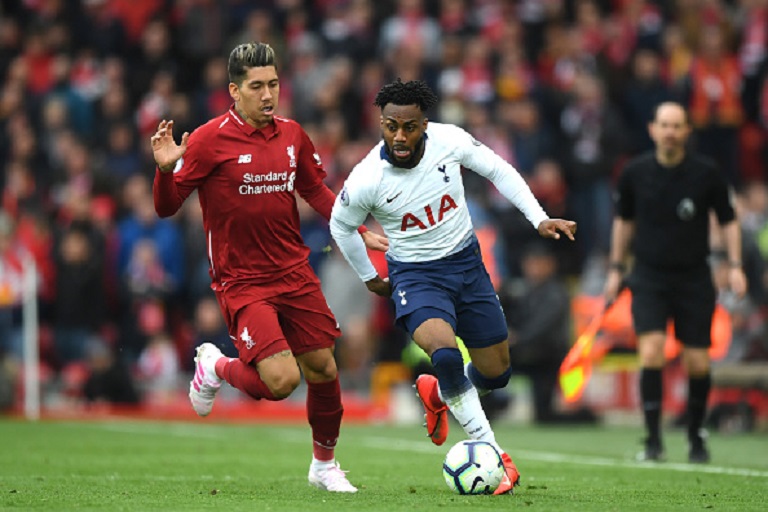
(457, 289)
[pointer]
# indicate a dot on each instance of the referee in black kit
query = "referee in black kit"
(663, 203)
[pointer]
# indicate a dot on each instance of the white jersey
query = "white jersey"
(422, 210)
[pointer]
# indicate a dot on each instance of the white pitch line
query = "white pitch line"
(671, 466)
(385, 443)
(410, 446)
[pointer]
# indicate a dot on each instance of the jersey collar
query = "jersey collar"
(269, 131)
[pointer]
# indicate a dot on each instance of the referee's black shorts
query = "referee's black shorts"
(686, 297)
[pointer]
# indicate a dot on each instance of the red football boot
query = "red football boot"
(511, 476)
(435, 411)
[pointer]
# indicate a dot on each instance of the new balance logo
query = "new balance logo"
(244, 159)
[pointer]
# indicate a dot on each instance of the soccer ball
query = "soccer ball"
(473, 467)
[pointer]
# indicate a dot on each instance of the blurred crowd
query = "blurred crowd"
(562, 89)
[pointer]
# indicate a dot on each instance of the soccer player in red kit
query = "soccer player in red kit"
(246, 165)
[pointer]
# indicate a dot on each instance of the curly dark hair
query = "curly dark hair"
(415, 92)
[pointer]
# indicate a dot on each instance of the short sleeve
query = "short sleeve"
(624, 195)
(722, 202)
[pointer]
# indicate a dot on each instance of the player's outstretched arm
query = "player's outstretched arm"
(551, 228)
(164, 149)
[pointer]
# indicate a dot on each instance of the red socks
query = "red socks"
(243, 377)
(324, 411)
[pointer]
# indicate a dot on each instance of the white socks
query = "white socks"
(468, 411)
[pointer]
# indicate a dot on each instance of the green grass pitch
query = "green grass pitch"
(203, 465)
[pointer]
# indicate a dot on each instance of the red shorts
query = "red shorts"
(289, 313)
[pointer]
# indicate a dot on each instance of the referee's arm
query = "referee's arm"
(622, 232)
(737, 281)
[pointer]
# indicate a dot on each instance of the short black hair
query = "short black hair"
(670, 103)
(415, 92)
(249, 55)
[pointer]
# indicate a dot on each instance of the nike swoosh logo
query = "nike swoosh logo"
(390, 199)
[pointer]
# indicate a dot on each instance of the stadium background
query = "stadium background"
(561, 89)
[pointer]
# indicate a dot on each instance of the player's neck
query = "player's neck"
(670, 158)
(249, 120)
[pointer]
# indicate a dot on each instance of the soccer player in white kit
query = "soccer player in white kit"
(411, 183)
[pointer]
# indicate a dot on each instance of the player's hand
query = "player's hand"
(375, 241)
(379, 286)
(164, 148)
(551, 228)
(737, 281)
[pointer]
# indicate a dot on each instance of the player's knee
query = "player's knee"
(494, 379)
(319, 366)
(503, 361)
(651, 351)
(697, 367)
(283, 385)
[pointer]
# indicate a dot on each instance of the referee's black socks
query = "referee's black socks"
(650, 395)
(698, 393)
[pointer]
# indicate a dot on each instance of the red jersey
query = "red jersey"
(246, 179)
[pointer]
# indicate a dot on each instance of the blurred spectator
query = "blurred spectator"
(7, 390)
(99, 28)
(109, 380)
(539, 327)
(643, 92)
(530, 140)
(352, 305)
(197, 281)
(410, 26)
(12, 256)
(677, 57)
(314, 232)
(347, 29)
(153, 57)
(20, 192)
(158, 369)
(146, 289)
(79, 306)
(151, 269)
(211, 98)
(209, 326)
(592, 141)
(714, 88)
(450, 82)
(752, 22)
(123, 158)
(155, 103)
(142, 223)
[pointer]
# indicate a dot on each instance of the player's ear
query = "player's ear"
(234, 91)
